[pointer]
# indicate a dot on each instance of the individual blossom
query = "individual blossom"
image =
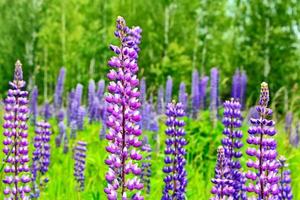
(123, 118)
(169, 89)
(15, 143)
(160, 101)
(214, 92)
(41, 157)
(146, 165)
(59, 89)
(34, 104)
(263, 167)
(183, 96)
(202, 91)
(222, 185)
(285, 187)
(91, 98)
(80, 162)
(232, 144)
(175, 179)
(195, 98)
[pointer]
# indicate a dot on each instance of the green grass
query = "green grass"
(203, 141)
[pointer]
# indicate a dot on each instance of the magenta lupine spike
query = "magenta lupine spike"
(123, 118)
(223, 186)
(232, 144)
(80, 162)
(41, 157)
(15, 143)
(285, 187)
(263, 168)
(175, 179)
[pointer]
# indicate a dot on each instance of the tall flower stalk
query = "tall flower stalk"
(285, 181)
(59, 89)
(15, 142)
(123, 117)
(262, 176)
(79, 166)
(175, 179)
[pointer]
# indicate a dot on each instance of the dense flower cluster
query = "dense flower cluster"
(232, 144)
(223, 187)
(15, 142)
(123, 118)
(175, 180)
(79, 166)
(91, 99)
(41, 155)
(263, 179)
(285, 181)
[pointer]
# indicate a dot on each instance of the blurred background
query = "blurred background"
(261, 37)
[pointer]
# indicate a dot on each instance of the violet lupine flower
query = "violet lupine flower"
(169, 90)
(79, 166)
(15, 143)
(146, 116)
(62, 132)
(59, 89)
(143, 95)
(263, 179)
(80, 117)
(123, 116)
(96, 110)
(288, 124)
(101, 89)
(47, 111)
(41, 157)
(195, 94)
(183, 96)
(91, 97)
(73, 127)
(202, 91)
(232, 144)
(214, 92)
(285, 181)
(34, 104)
(223, 187)
(60, 115)
(146, 165)
(175, 179)
(239, 86)
(294, 140)
(160, 101)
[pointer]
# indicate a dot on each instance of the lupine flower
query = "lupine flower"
(123, 116)
(78, 93)
(143, 95)
(214, 92)
(175, 179)
(146, 116)
(160, 101)
(80, 117)
(15, 143)
(59, 89)
(96, 110)
(223, 187)
(263, 179)
(79, 166)
(91, 97)
(183, 96)
(41, 157)
(60, 115)
(62, 132)
(285, 181)
(169, 90)
(47, 111)
(232, 143)
(294, 140)
(146, 165)
(34, 104)
(101, 88)
(195, 94)
(73, 127)
(288, 124)
(202, 94)
(239, 85)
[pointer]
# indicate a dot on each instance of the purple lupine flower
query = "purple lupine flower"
(79, 166)
(294, 140)
(169, 90)
(202, 91)
(288, 124)
(62, 132)
(143, 94)
(34, 104)
(60, 115)
(91, 97)
(47, 111)
(214, 92)
(59, 89)
(175, 179)
(195, 99)
(41, 157)
(101, 89)
(285, 187)
(73, 127)
(223, 187)
(146, 165)
(183, 96)
(263, 179)
(78, 93)
(15, 143)
(232, 144)
(96, 110)
(80, 117)
(146, 116)
(160, 101)
(239, 86)
(123, 116)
